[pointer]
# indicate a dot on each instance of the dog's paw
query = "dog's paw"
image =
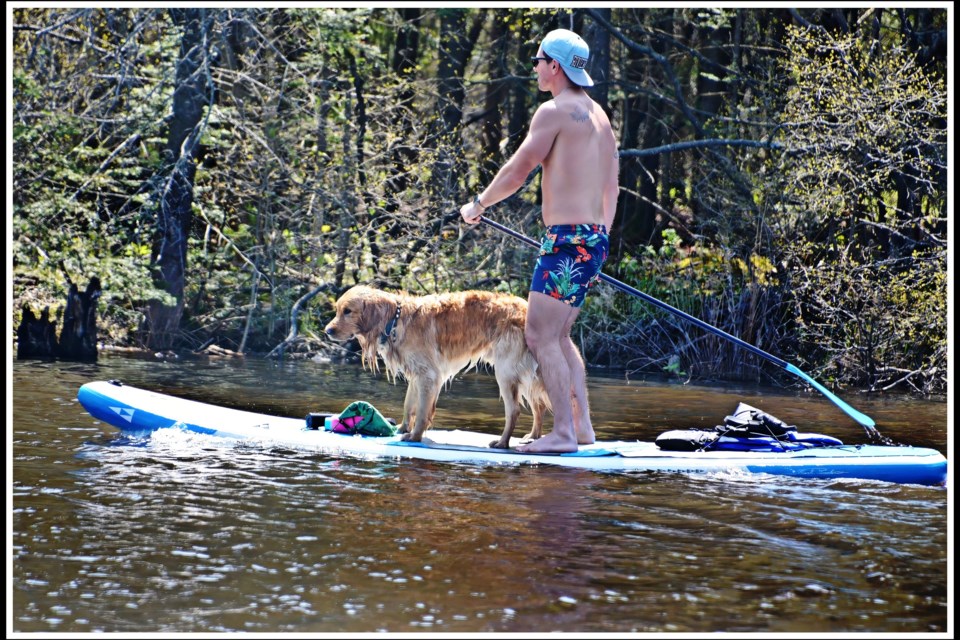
(499, 444)
(408, 437)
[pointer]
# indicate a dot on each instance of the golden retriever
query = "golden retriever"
(429, 339)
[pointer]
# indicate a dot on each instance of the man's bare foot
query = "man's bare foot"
(584, 430)
(550, 443)
(586, 435)
(582, 424)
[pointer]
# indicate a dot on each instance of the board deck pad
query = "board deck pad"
(583, 452)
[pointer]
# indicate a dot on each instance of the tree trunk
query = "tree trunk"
(78, 337)
(711, 85)
(598, 39)
(636, 216)
(348, 195)
(404, 153)
(491, 131)
(174, 215)
(454, 50)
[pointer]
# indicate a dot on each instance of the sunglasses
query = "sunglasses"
(537, 59)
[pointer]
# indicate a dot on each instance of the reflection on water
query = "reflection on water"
(188, 533)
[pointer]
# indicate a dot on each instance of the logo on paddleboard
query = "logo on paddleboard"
(124, 412)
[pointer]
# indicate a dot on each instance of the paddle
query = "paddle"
(866, 422)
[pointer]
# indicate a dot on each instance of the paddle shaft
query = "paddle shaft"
(862, 419)
(645, 296)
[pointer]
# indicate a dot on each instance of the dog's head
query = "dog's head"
(362, 313)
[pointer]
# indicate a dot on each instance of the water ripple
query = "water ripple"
(184, 533)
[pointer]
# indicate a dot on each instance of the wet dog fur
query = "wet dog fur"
(437, 336)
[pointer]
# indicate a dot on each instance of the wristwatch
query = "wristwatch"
(476, 201)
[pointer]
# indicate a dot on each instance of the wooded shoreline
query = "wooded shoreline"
(226, 173)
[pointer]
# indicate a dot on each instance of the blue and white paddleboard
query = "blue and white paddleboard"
(141, 411)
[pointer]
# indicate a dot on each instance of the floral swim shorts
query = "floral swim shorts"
(570, 260)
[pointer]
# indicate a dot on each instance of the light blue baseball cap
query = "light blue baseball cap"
(571, 52)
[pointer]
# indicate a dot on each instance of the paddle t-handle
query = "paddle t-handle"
(865, 421)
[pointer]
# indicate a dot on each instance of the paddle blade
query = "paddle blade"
(865, 421)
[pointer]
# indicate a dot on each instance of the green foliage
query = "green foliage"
(325, 158)
(865, 196)
(861, 114)
(859, 328)
(701, 281)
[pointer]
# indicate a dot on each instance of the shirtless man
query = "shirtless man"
(571, 137)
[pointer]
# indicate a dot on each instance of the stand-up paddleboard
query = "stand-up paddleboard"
(139, 411)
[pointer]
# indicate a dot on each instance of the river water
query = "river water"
(185, 533)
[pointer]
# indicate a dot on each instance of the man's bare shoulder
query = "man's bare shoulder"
(547, 117)
(547, 110)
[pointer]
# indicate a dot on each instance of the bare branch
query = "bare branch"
(695, 144)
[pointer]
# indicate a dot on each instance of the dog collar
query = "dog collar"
(391, 327)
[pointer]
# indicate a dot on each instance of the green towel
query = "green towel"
(361, 417)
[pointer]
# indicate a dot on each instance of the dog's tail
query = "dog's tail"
(533, 391)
